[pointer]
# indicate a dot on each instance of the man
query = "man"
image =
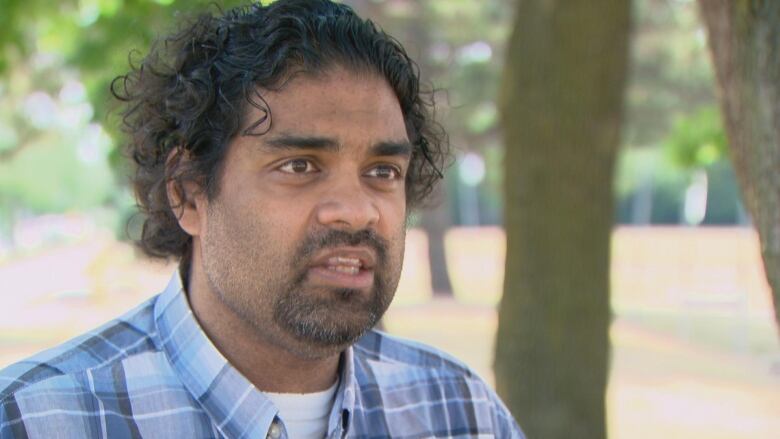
(279, 150)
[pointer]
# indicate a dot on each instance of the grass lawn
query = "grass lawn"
(684, 364)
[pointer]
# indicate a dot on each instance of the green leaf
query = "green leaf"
(697, 140)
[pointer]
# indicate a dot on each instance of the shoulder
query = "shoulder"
(126, 397)
(70, 390)
(112, 342)
(380, 347)
(416, 378)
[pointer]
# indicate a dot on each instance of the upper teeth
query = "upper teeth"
(344, 265)
(342, 261)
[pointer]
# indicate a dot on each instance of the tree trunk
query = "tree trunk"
(435, 219)
(563, 93)
(435, 222)
(744, 37)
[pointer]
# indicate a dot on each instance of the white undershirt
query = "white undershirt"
(305, 415)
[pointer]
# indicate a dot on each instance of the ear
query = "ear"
(189, 205)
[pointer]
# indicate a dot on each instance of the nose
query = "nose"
(347, 204)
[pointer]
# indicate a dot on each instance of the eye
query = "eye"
(385, 172)
(298, 166)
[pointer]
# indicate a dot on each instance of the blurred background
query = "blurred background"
(694, 346)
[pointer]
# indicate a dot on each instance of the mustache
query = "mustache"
(335, 238)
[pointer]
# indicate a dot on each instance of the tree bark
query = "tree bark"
(744, 38)
(435, 221)
(562, 110)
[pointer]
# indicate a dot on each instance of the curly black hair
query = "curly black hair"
(188, 98)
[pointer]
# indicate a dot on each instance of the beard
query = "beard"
(269, 289)
(334, 317)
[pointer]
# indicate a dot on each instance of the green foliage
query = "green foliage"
(656, 176)
(648, 172)
(92, 36)
(459, 46)
(673, 127)
(697, 140)
(52, 177)
(45, 48)
(671, 73)
(635, 165)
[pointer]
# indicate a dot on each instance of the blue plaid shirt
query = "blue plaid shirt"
(154, 373)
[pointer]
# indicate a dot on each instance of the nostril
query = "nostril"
(355, 212)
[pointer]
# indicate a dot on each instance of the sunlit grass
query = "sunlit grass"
(690, 357)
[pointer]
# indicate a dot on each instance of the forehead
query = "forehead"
(339, 103)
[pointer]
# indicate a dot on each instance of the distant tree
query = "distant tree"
(457, 46)
(91, 37)
(58, 58)
(411, 26)
(563, 92)
(670, 75)
(455, 43)
(744, 37)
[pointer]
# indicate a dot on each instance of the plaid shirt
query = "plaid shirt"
(154, 373)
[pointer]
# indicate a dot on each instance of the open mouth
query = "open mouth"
(351, 268)
(344, 265)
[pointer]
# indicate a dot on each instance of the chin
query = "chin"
(335, 333)
(318, 337)
(315, 349)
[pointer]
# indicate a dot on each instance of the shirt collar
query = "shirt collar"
(344, 404)
(234, 405)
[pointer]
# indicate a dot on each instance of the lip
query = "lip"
(320, 274)
(366, 256)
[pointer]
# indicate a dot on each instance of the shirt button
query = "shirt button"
(275, 432)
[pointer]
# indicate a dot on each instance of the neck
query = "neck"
(265, 362)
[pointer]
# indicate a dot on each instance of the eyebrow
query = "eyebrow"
(393, 148)
(383, 148)
(288, 141)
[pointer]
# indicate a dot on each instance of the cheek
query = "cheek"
(288, 223)
(261, 204)
(394, 216)
(395, 231)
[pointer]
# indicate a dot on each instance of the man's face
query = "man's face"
(304, 240)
